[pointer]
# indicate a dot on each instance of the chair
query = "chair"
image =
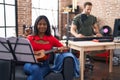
(24, 53)
(104, 55)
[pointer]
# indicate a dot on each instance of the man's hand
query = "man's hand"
(98, 35)
(79, 36)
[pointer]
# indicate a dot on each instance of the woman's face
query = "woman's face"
(42, 26)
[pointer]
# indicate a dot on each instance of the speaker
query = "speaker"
(106, 30)
(116, 31)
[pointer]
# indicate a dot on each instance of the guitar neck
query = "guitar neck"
(51, 51)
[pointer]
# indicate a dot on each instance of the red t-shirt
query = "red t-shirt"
(48, 43)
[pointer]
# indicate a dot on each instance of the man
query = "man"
(85, 24)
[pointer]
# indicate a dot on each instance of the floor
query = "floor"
(100, 72)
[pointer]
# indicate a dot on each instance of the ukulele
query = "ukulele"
(41, 56)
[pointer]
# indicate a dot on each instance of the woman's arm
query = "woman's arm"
(63, 49)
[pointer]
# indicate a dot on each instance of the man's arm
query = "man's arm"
(73, 31)
(96, 30)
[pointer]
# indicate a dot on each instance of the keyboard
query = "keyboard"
(100, 39)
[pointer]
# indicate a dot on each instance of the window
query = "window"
(48, 8)
(7, 18)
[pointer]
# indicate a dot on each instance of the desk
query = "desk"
(83, 46)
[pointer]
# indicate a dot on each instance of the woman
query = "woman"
(42, 41)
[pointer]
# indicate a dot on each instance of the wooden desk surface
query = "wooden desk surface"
(90, 45)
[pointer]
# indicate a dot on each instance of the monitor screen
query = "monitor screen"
(116, 31)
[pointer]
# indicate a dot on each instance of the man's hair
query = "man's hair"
(87, 3)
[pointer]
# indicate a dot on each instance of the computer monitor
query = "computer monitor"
(116, 31)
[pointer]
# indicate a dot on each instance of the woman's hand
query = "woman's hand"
(39, 54)
(63, 49)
